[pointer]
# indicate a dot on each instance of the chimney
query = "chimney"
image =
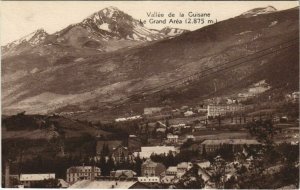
(7, 185)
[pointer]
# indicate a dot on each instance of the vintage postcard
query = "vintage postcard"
(150, 94)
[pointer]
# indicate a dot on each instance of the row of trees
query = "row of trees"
(172, 160)
(108, 164)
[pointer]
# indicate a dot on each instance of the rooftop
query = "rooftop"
(184, 165)
(230, 141)
(119, 173)
(150, 163)
(36, 177)
(157, 149)
(103, 184)
(80, 168)
(172, 136)
(172, 169)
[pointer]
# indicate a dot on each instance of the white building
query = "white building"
(172, 170)
(28, 179)
(76, 173)
(178, 170)
(136, 117)
(180, 125)
(182, 168)
(172, 138)
(188, 113)
(203, 164)
(161, 130)
(153, 110)
(190, 137)
(149, 179)
(220, 110)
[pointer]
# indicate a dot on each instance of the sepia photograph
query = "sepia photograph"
(150, 94)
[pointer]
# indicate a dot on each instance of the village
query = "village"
(211, 145)
(150, 95)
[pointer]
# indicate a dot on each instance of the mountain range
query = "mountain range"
(106, 30)
(110, 56)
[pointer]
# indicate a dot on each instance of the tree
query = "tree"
(105, 150)
(103, 166)
(226, 152)
(219, 171)
(192, 180)
(290, 152)
(111, 164)
(231, 183)
(187, 144)
(138, 165)
(263, 131)
(289, 174)
(167, 123)
(170, 160)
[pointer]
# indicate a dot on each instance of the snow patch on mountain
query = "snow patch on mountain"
(259, 11)
(273, 23)
(172, 31)
(245, 32)
(119, 25)
(105, 27)
(32, 39)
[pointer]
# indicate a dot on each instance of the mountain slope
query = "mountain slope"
(106, 30)
(89, 81)
(31, 40)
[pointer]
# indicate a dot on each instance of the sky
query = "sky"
(19, 18)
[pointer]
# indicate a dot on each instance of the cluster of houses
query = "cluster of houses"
(210, 110)
(151, 172)
(32, 180)
(154, 174)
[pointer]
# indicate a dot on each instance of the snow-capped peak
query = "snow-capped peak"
(112, 8)
(33, 38)
(172, 31)
(108, 12)
(259, 11)
(113, 23)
